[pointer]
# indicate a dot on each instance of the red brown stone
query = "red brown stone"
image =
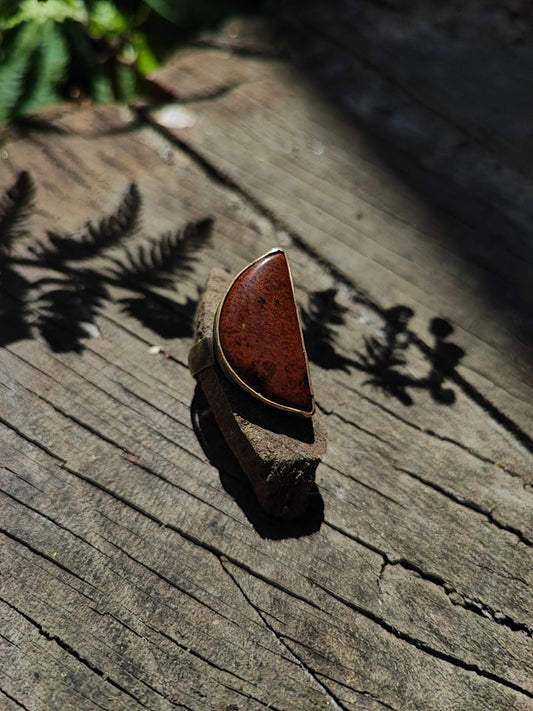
(259, 337)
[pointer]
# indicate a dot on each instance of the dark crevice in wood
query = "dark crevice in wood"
(456, 597)
(162, 577)
(205, 660)
(130, 456)
(32, 441)
(119, 621)
(483, 610)
(332, 701)
(467, 503)
(76, 655)
(250, 51)
(424, 647)
(20, 476)
(50, 559)
(364, 485)
(435, 435)
(25, 505)
(6, 639)
(475, 607)
(364, 694)
(105, 391)
(351, 423)
(13, 699)
(359, 296)
(359, 541)
(176, 98)
(153, 406)
(308, 647)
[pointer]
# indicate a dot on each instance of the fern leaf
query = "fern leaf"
(108, 233)
(11, 85)
(15, 206)
(158, 264)
(45, 72)
(19, 46)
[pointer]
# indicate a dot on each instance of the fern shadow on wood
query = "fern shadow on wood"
(385, 358)
(64, 301)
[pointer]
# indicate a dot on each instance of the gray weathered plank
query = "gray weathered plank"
(137, 571)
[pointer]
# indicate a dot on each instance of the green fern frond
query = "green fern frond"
(35, 12)
(45, 72)
(17, 49)
(15, 205)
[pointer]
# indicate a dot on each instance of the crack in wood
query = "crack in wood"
(483, 610)
(27, 506)
(119, 402)
(85, 662)
(456, 597)
(469, 504)
(106, 613)
(476, 607)
(162, 577)
(366, 486)
(130, 456)
(355, 425)
(331, 700)
(431, 433)
(32, 441)
(13, 699)
(203, 659)
(423, 646)
(45, 556)
(362, 692)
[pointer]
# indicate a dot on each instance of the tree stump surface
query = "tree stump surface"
(137, 569)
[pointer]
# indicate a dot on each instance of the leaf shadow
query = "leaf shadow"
(64, 299)
(164, 316)
(384, 357)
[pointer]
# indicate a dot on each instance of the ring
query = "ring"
(257, 337)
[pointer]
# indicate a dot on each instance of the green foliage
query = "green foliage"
(101, 49)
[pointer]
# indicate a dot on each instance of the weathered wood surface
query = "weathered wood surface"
(134, 574)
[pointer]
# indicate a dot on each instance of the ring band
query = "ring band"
(201, 355)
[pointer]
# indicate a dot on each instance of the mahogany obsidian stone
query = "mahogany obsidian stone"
(259, 336)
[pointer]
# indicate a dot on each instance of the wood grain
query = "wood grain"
(136, 569)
